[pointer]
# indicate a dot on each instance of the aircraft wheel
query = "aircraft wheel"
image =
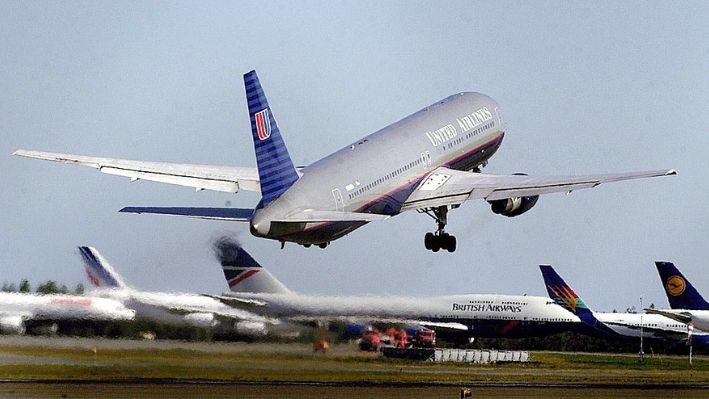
(428, 240)
(452, 243)
(322, 245)
(436, 244)
(444, 240)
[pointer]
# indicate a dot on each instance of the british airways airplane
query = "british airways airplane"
(429, 161)
(460, 317)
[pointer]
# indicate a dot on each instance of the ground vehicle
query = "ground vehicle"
(370, 340)
(424, 338)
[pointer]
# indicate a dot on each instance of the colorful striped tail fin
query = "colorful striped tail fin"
(680, 292)
(276, 170)
(565, 297)
(244, 274)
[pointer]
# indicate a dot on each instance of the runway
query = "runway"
(84, 367)
(259, 391)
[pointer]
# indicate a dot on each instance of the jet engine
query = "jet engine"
(12, 325)
(511, 207)
(201, 320)
(248, 327)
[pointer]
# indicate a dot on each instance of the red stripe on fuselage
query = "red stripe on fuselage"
(243, 277)
(417, 179)
(509, 326)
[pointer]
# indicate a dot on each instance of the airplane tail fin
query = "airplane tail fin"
(276, 170)
(244, 274)
(99, 272)
(680, 292)
(565, 297)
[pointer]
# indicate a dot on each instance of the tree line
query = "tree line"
(47, 287)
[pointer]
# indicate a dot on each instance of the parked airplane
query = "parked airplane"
(21, 311)
(422, 162)
(614, 325)
(687, 305)
(473, 315)
(172, 308)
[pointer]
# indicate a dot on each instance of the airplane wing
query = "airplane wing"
(439, 325)
(232, 214)
(452, 187)
(237, 302)
(682, 317)
(202, 177)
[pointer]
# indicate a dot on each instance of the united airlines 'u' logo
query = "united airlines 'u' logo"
(675, 285)
(263, 124)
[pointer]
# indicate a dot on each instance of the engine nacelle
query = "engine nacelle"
(201, 320)
(248, 327)
(12, 325)
(511, 207)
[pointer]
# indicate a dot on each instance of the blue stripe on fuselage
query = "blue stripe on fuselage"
(391, 202)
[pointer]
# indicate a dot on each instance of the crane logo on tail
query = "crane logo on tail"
(263, 124)
(675, 285)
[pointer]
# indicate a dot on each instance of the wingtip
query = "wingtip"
(671, 172)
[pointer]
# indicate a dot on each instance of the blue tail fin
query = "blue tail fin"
(275, 168)
(98, 270)
(680, 292)
(565, 297)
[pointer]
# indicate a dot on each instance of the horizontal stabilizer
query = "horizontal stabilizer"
(233, 214)
(332, 216)
(202, 177)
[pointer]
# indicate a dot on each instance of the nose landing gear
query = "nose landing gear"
(440, 239)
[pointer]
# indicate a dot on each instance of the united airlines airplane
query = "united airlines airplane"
(168, 307)
(468, 316)
(429, 161)
(615, 325)
(686, 303)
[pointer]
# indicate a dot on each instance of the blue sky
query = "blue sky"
(585, 88)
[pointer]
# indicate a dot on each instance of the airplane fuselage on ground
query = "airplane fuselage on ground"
(474, 315)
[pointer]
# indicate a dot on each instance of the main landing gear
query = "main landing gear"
(322, 245)
(440, 239)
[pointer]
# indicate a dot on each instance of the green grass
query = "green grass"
(548, 367)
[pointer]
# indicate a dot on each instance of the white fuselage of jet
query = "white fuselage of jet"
(16, 309)
(480, 315)
(185, 309)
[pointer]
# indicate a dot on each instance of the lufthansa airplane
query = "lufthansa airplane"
(686, 303)
(429, 161)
